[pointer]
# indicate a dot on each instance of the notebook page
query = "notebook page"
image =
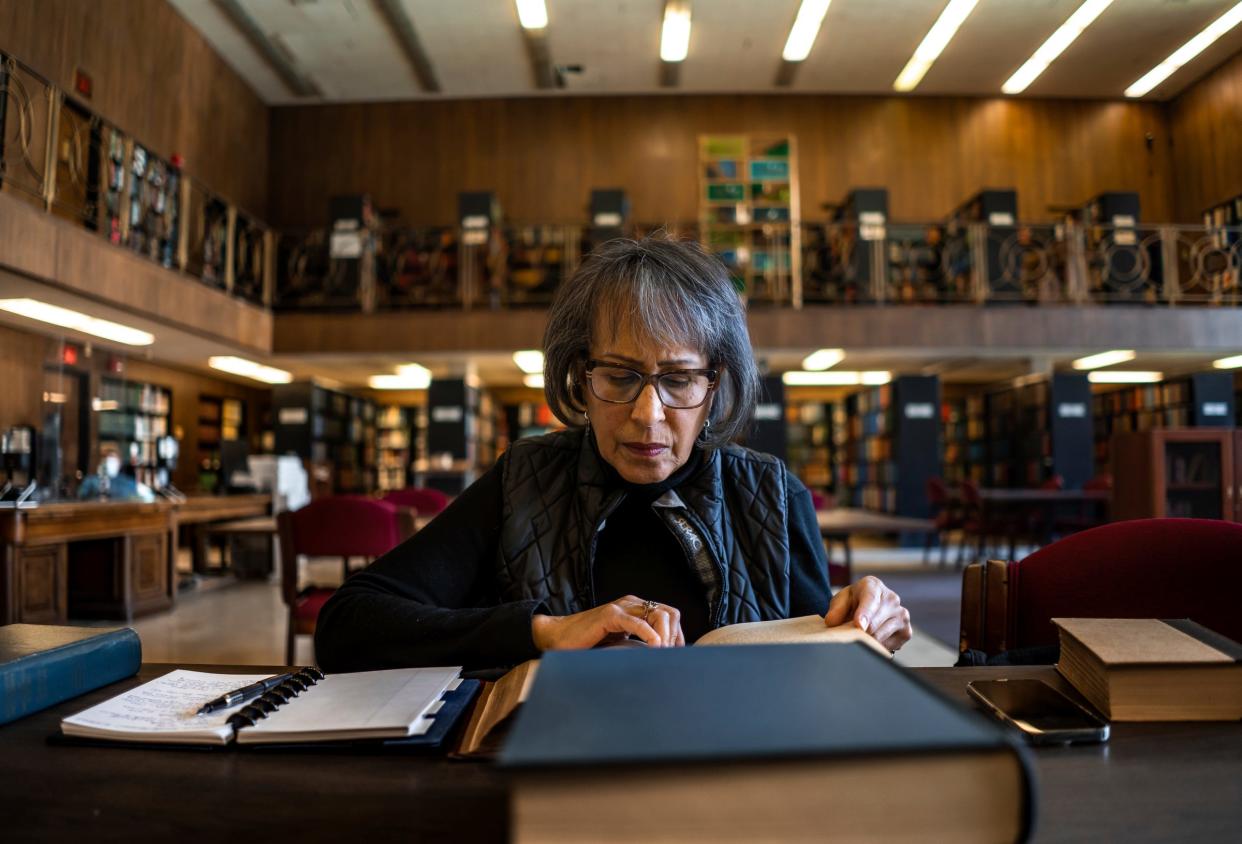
(369, 704)
(163, 710)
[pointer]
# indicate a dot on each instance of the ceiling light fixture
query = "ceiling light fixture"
(840, 378)
(1228, 363)
(1104, 359)
(249, 369)
(823, 359)
(529, 361)
(535, 380)
(1187, 52)
(1124, 376)
(1054, 46)
(410, 376)
(805, 29)
(76, 321)
(937, 38)
(675, 35)
(532, 14)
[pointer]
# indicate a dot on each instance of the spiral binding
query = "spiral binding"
(271, 700)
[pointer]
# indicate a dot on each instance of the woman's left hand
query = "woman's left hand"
(874, 608)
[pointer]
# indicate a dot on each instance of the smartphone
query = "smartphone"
(1043, 714)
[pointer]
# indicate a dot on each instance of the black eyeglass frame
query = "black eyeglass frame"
(653, 379)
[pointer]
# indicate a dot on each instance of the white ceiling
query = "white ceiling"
(476, 46)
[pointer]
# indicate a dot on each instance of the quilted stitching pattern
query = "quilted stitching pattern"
(554, 497)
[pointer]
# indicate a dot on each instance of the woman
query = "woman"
(641, 519)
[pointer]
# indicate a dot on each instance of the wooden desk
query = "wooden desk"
(203, 509)
(840, 523)
(91, 559)
(1152, 782)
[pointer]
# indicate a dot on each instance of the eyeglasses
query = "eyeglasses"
(678, 389)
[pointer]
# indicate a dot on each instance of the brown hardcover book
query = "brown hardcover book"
(1148, 669)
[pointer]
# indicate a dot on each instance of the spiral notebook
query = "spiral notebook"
(393, 704)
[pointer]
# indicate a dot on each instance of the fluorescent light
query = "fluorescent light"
(249, 369)
(532, 14)
(409, 376)
(1124, 376)
(1228, 363)
(823, 359)
(1054, 46)
(535, 380)
(65, 318)
(805, 29)
(1187, 52)
(675, 36)
(529, 361)
(1104, 359)
(937, 38)
(839, 378)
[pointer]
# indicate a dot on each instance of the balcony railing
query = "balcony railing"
(58, 154)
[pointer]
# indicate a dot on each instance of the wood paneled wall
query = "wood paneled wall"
(156, 78)
(1206, 124)
(544, 155)
(22, 358)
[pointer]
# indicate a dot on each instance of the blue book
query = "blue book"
(42, 665)
(757, 742)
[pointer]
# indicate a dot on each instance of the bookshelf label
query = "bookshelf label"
(450, 413)
(1072, 410)
(1215, 408)
(770, 412)
(345, 245)
(292, 416)
(920, 410)
(1000, 218)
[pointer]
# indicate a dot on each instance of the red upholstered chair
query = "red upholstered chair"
(1147, 568)
(947, 518)
(423, 500)
(342, 526)
(822, 501)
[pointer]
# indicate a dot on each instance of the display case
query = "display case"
(1176, 472)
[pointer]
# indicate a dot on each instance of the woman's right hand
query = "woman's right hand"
(662, 629)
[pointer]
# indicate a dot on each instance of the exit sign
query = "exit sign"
(82, 83)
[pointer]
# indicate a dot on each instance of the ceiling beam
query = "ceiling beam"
(537, 51)
(273, 52)
(402, 28)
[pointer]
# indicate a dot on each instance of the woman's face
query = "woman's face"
(644, 440)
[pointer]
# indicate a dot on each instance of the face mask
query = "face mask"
(112, 466)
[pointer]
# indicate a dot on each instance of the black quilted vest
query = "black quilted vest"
(557, 496)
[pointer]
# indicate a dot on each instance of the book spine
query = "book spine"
(45, 679)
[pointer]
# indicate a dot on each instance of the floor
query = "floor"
(229, 621)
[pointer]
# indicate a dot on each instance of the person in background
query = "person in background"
(642, 519)
(111, 483)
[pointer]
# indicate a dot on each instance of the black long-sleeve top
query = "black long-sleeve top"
(433, 600)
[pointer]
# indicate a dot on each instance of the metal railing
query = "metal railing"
(60, 155)
(57, 153)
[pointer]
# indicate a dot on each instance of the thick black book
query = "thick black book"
(757, 743)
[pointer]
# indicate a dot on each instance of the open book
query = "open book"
(499, 700)
(397, 703)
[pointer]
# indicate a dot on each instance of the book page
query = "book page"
(391, 703)
(164, 707)
(803, 630)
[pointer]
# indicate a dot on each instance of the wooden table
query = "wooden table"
(262, 528)
(1043, 501)
(88, 559)
(1151, 782)
(199, 510)
(840, 523)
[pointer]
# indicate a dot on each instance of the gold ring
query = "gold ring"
(648, 606)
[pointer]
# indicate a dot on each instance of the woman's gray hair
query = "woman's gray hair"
(669, 292)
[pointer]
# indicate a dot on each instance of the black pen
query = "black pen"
(244, 694)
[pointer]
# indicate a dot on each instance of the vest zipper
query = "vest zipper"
(609, 509)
